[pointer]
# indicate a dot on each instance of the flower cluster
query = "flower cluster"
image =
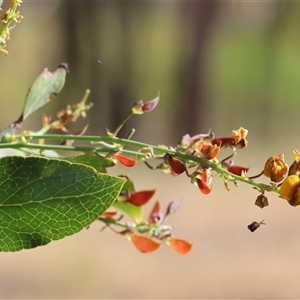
(205, 147)
(147, 235)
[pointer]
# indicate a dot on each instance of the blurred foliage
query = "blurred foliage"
(239, 66)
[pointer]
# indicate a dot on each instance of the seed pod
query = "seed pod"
(254, 225)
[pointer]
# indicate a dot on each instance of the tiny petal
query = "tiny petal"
(238, 170)
(179, 245)
(176, 165)
(140, 198)
(154, 212)
(150, 105)
(173, 207)
(297, 155)
(124, 160)
(224, 142)
(109, 214)
(210, 151)
(143, 243)
(203, 186)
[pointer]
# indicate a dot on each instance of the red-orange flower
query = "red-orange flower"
(238, 170)
(177, 166)
(179, 245)
(140, 198)
(143, 243)
(210, 151)
(124, 160)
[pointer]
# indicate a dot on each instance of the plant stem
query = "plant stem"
(120, 142)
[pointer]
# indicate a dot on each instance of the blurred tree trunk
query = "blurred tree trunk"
(83, 34)
(203, 16)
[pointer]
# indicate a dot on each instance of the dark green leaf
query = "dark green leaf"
(48, 199)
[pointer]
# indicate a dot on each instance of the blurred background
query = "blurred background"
(217, 65)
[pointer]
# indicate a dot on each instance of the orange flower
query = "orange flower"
(179, 245)
(143, 243)
(275, 168)
(210, 151)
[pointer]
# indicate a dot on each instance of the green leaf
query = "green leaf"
(45, 85)
(133, 211)
(90, 159)
(128, 186)
(48, 199)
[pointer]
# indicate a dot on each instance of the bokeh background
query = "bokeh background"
(217, 65)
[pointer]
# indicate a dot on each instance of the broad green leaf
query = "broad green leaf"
(90, 159)
(48, 199)
(135, 212)
(45, 85)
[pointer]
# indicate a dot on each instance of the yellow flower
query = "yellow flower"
(275, 168)
(290, 190)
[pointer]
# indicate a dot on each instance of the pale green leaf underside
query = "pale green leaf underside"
(44, 86)
(47, 199)
(135, 212)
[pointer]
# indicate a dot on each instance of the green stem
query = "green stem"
(186, 158)
(111, 221)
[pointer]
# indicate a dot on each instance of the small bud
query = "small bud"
(154, 212)
(137, 107)
(150, 105)
(173, 207)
